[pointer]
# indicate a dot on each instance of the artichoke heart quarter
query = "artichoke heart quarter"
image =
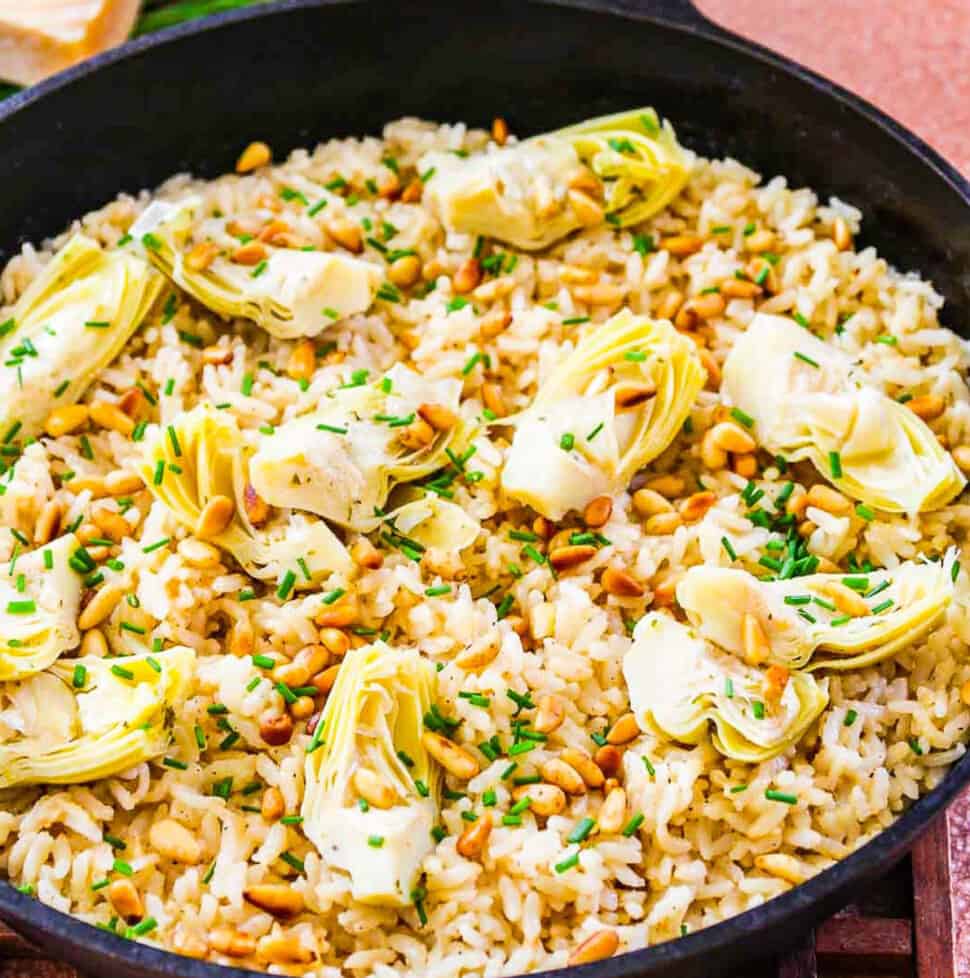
(611, 407)
(91, 717)
(202, 455)
(683, 688)
(69, 324)
(39, 623)
(821, 621)
(342, 461)
(534, 193)
(286, 294)
(808, 402)
(368, 745)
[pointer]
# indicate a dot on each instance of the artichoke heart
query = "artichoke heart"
(286, 294)
(611, 407)
(680, 685)
(369, 742)
(88, 718)
(809, 402)
(39, 623)
(821, 621)
(431, 521)
(203, 454)
(342, 461)
(69, 324)
(524, 194)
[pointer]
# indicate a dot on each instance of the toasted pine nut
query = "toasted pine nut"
(737, 288)
(600, 293)
(48, 522)
(562, 775)
(303, 361)
(711, 367)
(713, 456)
(662, 523)
(546, 529)
(100, 606)
(479, 654)
(732, 438)
(347, 234)
(827, 499)
(125, 899)
(341, 614)
(696, 505)
(633, 395)
(612, 812)
(276, 898)
(452, 757)
(390, 187)
(596, 947)
(550, 714)
(374, 789)
(965, 693)
(754, 640)
(413, 192)
(584, 766)
(273, 231)
(94, 643)
(404, 271)
(494, 322)
(132, 402)
(624, 730)
(762, 273)
(302, 708)
(961, 455)
(500, 131)
(272, 806)
(776, 679)
(276, 729)
(700, 308)
(201, 256)
(608, 759)
(232, 943)
(471, 843)
(283, 949)
(670, 304)
(760, 240)
(112, 525)
(745, 465)
(468, 276)
(572, 555)
(257, 509)
(665, 591)
(547, 799)
(366, 555)
(251, 253)
(849, 602)
(122, 483)
(841, 234)
(109, 415)
(216, 515)
(335, 641)
(174, 841)
(682, 245)
(253, 156)
(649, 502)
(492, 399)
(66, 419)
(621, 584)
(928, 406)
(806, 528)
(241, 639)
(781, 865)
(670, 486)
(438, 416)
(587, 211)
(324, 680)
(417, 435)
(215, 356)
(577, 275)
(598, 512)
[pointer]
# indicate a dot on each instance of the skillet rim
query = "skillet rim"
(874, 857)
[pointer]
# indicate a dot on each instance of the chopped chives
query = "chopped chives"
(174, 763)
(286, 585)
(728, 548)
(742, 417)
(595, 432)
(835, 465)
(582, 830)
(888, 603)
(635, 822)
(27, 607)
(79, 677)
(568, 863)
(567, 441)
(120, 866)
(293, 861)
(806, 359)
(375, 841)
(772, 795)
(850, 718)
(758, 709)
(331, 596)
(511, 819)
(865, 513)
(122, 672)
(651, 770)
(157, 545)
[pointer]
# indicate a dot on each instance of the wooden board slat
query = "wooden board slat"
(801, 962)
(932, 909)
(865, 944)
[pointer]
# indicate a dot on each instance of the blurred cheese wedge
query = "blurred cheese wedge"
(41, 37)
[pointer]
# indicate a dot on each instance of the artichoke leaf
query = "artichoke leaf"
(520, 194)
(374, 717)
(809, 401)
(342, 461)
(88, 718)
(286, 294)
(69, 324)
(681, 686)
(611, 407)
(433, 522)
(203, 454)
(40, 622)
(802, 619)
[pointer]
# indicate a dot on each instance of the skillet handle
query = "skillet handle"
(681, 13)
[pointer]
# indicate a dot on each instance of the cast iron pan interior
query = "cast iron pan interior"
(304, 70)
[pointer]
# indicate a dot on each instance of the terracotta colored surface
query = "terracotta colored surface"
(910, 59)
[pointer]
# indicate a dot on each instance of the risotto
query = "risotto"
(450, 554)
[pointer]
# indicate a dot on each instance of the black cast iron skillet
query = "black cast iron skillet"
(300, 71)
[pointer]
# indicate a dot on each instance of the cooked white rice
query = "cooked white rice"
(697, 856)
